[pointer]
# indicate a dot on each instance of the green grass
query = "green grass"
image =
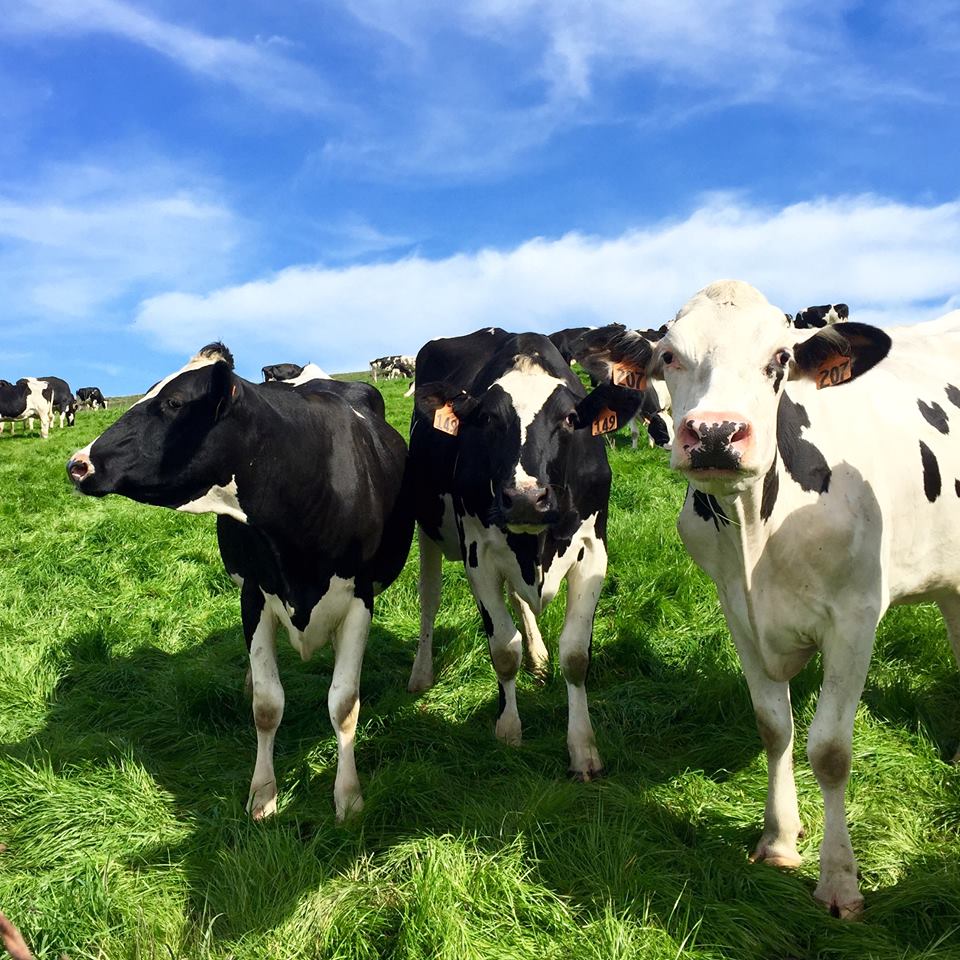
(128, 745)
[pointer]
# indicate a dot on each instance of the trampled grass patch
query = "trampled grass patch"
(128, 745)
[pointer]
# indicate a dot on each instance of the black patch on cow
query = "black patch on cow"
(502, 700)
(953, 394)
(931, 473)
(583, 550)
(524, 547)
(554, 547)
(707, 507)
(802, 459)
(472, 554)
(934, 414)
(777, 378)
(487, 620)
(771, 487)
(956, 487)
(657, 429)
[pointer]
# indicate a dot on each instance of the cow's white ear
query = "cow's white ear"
(839, 353)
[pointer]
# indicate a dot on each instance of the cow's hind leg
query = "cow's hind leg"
(343, 701)
(431, 573)
(259, 627)
(950, 608)
(584, 582)
(538, 659)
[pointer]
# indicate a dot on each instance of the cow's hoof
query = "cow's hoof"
(588, 774)
(348, 806)
(539, 672)
(509, 731)
(263, 801)
(777, 854)
(842, 909)
(420, 682)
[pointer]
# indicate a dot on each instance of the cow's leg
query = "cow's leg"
(259, 627)
(431, 572)
(538, 658)
(343, 702)
(846, 656)
(777, 845)
(950, 608)
(506, 648)
(584, 582)
(634, 433)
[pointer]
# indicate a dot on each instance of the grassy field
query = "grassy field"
(128, 745)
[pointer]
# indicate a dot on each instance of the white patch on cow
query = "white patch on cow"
(310, 372)
(223, 500)
(195, 363)
(325, 618)
(529, 387)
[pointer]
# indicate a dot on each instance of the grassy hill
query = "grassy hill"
(128, 745)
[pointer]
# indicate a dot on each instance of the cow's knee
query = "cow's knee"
(575, 665)
(830, 760)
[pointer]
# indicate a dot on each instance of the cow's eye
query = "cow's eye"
(570, 420)
(173, 403)
(783, 357)
(667, 356)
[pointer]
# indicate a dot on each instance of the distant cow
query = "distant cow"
(91, 397)
(393, 367)
(822, 316)
(313, 520)
(814, 512)
(281, 371)
(26, 399)
(64, 401)
(511, 478)
(565, 341)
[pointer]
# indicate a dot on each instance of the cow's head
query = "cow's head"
(166, 449)
(521, 430)
(725, 358)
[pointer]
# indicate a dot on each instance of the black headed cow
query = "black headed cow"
(281, 371)
(511, 478)
(814, 509)
(313, 520)
(91, 397)
(64, 401)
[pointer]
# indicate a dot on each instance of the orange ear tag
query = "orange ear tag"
(624, 375)
(446, 421)
(834, 371)
(605, 422)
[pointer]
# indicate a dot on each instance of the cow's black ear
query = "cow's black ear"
(607, 408)
(839, 353)
(444, 406)
(223, 387)
(615, 354)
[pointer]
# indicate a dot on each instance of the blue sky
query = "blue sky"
(332, 181)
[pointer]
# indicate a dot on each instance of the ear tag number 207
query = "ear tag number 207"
(628, 376)
(834, 371)
(446, 421)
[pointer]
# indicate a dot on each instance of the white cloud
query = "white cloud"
(79, 239)
(891, 262)
(257, 68)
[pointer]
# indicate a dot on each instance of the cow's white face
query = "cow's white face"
(725, 360)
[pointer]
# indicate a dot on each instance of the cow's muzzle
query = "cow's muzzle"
(528, 506)
(80, 468)
(714, 441)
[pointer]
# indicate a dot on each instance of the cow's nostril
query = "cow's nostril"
(742, 432)
(78, 469)
(543, 498)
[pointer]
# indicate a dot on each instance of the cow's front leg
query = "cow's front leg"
(506, 648)
(259, 627)
(950, 608)
(343, 701)
(584, 582)
(774, 716)
(846, 657)
(431, 573)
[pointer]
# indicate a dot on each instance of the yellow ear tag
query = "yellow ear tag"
(446, 421)
(834, 371)
(605, 422)
(628, 376)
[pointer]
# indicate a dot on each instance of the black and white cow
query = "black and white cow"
(91, 397)
(26, 399)
(393, 367)
(822, 316)
(313, 520)
(511, 478)
(814, 511)
(64, 401)
(281, 371)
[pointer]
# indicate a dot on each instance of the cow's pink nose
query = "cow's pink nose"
(714, 430)
(79, 466)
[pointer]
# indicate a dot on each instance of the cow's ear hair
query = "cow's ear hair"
(598, 405)
(431, 396)
(612, 351)
(838, 353)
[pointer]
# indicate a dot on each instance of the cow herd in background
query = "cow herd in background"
(809, 527)
(44, 399)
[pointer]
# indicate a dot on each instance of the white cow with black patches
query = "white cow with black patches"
(813, 510)
(314, 518)
(511, 480)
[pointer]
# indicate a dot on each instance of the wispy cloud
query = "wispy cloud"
(77, 240)
(258, 68)
(891, 262)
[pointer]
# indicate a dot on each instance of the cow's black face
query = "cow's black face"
(167, 449)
